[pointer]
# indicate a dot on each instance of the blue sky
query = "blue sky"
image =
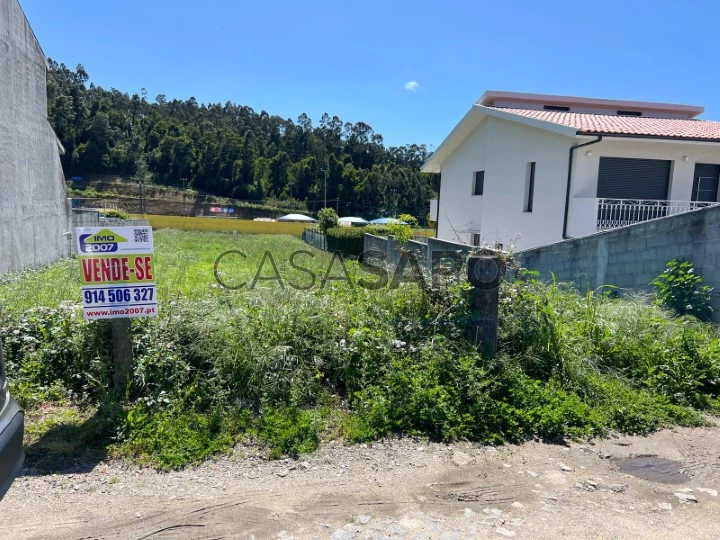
(355, 59)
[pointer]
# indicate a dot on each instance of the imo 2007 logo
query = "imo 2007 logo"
(105, 241)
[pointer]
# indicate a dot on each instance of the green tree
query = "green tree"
(231, 150)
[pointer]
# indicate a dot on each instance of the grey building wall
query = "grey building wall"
(631, 257)
(34, 213)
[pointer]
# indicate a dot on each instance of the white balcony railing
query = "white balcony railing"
(612, 213)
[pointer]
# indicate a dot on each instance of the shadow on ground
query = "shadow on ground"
(65, 440)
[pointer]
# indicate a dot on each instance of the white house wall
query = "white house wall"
(459, 210)
(503, 150)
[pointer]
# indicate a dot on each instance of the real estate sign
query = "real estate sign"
(117, 272)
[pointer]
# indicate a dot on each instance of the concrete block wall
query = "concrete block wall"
(85, 218)
(422, 250)
(631, 257)
(391, 248)
(377, 243)
(34, 215)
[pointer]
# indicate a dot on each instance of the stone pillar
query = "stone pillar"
(485, 273)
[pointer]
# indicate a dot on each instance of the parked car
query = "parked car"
(12, 426)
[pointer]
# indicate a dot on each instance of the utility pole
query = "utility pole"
(184, 180)
(141, 185)
(325, 171)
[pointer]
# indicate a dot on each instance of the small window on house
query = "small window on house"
(479, 183)
(556, 108)
(476, 239)
(629, 113)
(529, 187)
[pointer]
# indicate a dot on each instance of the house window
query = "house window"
(479, 183)
(629, 113)
(556, 108)
(476, 239)
(529, 187)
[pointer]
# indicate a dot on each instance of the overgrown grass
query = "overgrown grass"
(184, 264)
(48, 286)
(554, 331)
(283, 369)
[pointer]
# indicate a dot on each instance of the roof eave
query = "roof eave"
(469, 123)
(668, 138)
(520, 97)
(560, 129)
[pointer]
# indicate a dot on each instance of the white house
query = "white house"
(528, 170)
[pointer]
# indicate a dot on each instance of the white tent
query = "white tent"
(352, 221)
(386, 221)
(298, 218)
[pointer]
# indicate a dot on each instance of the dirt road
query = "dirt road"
(400, 488)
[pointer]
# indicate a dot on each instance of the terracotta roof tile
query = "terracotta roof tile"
(626, 125)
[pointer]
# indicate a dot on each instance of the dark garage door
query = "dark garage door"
(630, 178)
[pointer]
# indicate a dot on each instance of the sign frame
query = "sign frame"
(117, 271)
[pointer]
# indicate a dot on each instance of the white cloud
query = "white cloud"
(412, 86)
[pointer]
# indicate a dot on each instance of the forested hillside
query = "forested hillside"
(231, 150)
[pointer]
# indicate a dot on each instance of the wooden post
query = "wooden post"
(122, 352)
(485, 273)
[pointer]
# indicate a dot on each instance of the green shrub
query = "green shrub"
(343, 233)
(118, 214)
(447, 400)
(449, 396)
(176, 437)
(626, 408)
(552, 331)
(288, 431)
(327, 219)
(349, 241)
(377, 230)
(399, 231)
(358, 232)
(409, 220)
(430, 393)
(53, 355)
(681, 290)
